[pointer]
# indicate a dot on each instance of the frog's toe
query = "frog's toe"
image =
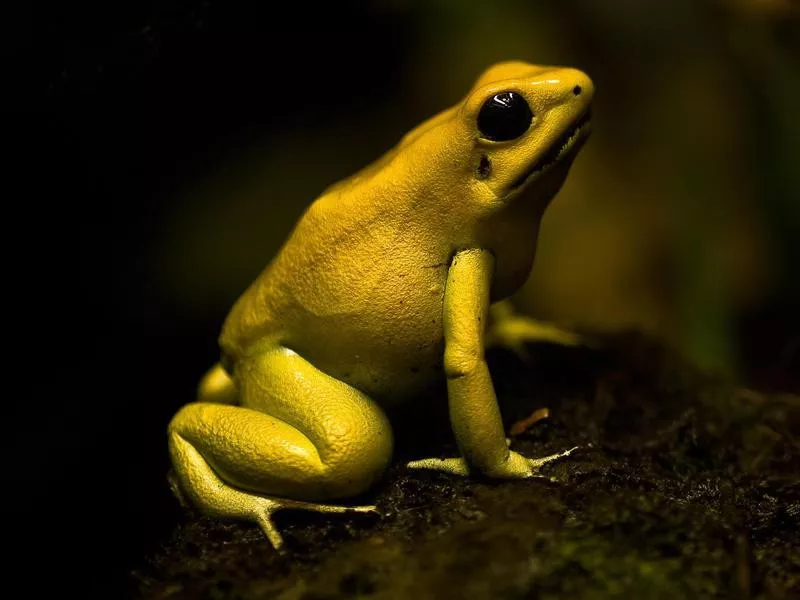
(269, 506)
(538, 463)
(176, 489)
(514, 332)
(263, 517)
(454, 466)
(520, 351)
(370, 509)
(499, 339)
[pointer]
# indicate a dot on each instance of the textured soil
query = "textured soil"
(686, 487)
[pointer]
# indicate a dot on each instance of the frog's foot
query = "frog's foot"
(175, 488)
(267, 507)
(454, 466)
(513, 331)
(458, 466)
(537, 463)
(517, 330)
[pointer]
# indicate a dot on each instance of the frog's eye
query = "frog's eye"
(504, 116)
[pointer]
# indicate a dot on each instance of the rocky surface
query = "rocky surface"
(686, 487)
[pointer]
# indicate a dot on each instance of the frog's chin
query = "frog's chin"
(554, 164)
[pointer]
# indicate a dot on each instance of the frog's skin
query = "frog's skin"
(382, 290)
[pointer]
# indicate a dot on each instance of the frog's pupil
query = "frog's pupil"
(504, 116)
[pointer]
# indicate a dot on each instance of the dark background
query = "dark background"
(128, 233)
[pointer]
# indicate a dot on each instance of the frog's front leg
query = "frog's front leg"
(299, 436)
(509, 329)
(474, 412)
(459, 466)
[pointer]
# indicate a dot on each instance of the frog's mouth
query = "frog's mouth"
(565, 143)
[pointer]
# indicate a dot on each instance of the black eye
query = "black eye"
(504, 117)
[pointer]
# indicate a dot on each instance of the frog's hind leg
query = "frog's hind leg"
(217, 386)
(298, 437)
(216, 497)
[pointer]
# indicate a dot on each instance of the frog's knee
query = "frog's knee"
(181, 420)
(217, 386)
(358, 460)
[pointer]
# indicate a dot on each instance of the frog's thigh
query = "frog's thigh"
(349, 431)
(299, 433)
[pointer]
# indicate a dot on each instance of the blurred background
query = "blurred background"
(164, 150)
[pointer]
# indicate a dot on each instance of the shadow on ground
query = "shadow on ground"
(686, 488)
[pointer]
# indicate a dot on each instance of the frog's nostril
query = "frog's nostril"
(577, 90)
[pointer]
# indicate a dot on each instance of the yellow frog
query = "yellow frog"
(382, 290)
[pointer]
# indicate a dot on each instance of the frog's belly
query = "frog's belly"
(388, 343)
(390, 372)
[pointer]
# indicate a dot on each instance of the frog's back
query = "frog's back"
(357, 278)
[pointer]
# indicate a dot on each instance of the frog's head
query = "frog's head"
(527, 123)
(516, 131)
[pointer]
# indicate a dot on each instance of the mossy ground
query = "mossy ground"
(687, 488)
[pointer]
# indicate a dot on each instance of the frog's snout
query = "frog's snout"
(573, 85)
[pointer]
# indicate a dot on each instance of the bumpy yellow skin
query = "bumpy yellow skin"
(382, 290)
